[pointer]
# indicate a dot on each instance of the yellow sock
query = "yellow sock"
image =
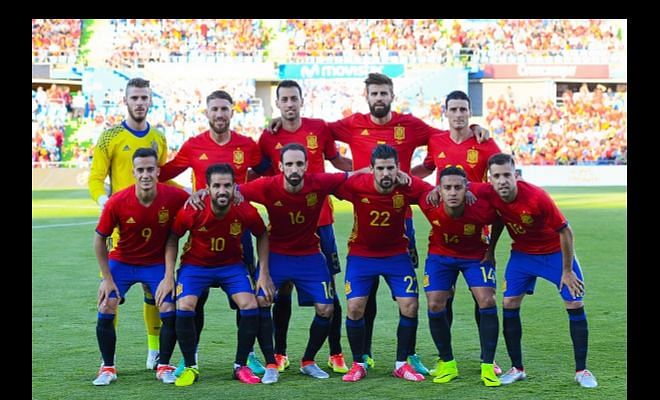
(152, 322)
(116, 320)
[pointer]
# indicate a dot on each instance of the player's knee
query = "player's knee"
(409, 308)
(187, 303)
(324, 310)
(436, 304)
(512, 302)
(166, 307)
(486, 300)
(108, 307)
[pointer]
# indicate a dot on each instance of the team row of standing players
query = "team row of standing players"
(381, 242)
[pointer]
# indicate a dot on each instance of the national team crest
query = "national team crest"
(239, 156)
(399, 133)
(472, 156)
(468, 229)
(312, 142)
(312, 199)
(347, 287)
(526, 218)
(397, 201)
(163, 216)
(235, 228)
(426, 280)
(179, 289)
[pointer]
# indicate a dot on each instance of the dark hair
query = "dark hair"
(501, 159)
(375, 78)
(457, 95)
(219, 94)
(383, 152)
(138, 83)
(292, 146)
(453, 171)
(144, 152)
(287, 84)
(222, 169)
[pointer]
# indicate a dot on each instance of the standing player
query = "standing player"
(113, 157)
(378, 246)
(219, 144)
(459, 148)
(455, 246)
(542, 246)
(320, 146)
(143, 213)
(294, 200)
(212, 257)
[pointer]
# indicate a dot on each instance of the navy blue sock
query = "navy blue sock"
(186, 334)
(334, 336)
(355, 330)
(281, 317)
(579, 336)
(370, 312)
(488, 331)
(248, 328)
(167, 337)
(199, 315)
(107, 338)
(318, 332)
(441, 334)
(265, 335)
(449, 308)
(513, 335)
(404, 335)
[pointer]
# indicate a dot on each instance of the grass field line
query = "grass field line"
(61, 225)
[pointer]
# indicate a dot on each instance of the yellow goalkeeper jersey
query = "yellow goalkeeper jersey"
(113, 155)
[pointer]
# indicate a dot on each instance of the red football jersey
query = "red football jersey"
(532, 219)
(471, 156)
(317, 139)
(214, 241)
(379, 219)
(459, 237)
(403, 132)
(199, 152)
(293, 216)
(143, 231)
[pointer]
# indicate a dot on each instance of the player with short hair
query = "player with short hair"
(143, 214)
(112, 157)
(542, 246)
(218, 144)
(212, 257)
(378, 246)
(314, 135)
(456, 246)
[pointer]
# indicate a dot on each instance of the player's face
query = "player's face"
(219, 113)
(221, 188)
(453, 189)
(385, 171)
(293, 166)
(503, 179)
(379, 98)
(138, 101)
(458, 114)
(289, 102)
(145, 170)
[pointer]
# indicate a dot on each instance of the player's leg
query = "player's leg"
(329, 249)
(281, 318)
(413, 357)
(248, 327)
(248, 259)
(370, 312)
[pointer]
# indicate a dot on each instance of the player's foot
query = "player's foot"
(165, 373)
(152, 359)
(272, 375)
(189, 376)
(356, 373)
(368, 361)
(337, 363)
(245, 375)
(105, 376)
(488, 375)
(512, 375)
(438, 367)
(586, 379)
(408, 373)
(314, 371)
(282, 362)
(255, 365)
(447, 372)
(496, 368)
(417, 365)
